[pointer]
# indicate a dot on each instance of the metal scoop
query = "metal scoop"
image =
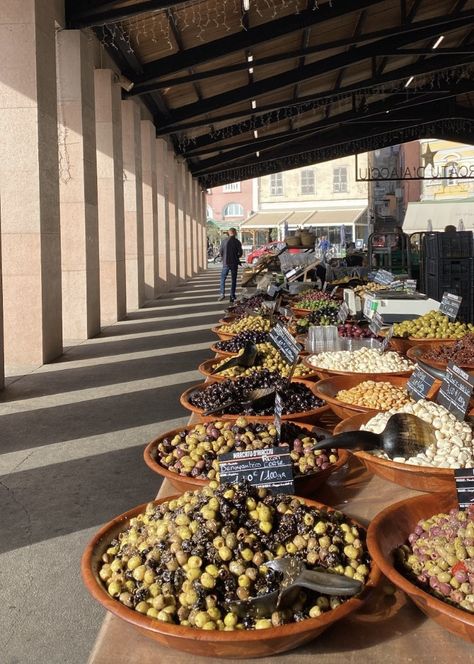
(404, 436)
(295, 576)
(254, 397)
(247, 359)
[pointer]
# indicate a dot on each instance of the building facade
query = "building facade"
(230, 204)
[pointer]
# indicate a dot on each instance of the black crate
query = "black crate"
(450, 269)
(449, 245)
(464, 287)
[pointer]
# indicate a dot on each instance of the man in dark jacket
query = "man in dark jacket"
(231, 251)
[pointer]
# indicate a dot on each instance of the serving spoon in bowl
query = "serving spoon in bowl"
(247, 359)
(258, 397)
(405, 435)
(295, 576)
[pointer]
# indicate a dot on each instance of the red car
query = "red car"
(270, 248)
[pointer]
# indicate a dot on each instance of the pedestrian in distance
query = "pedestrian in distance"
(231, 252)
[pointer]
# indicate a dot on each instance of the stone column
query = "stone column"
(150, 209)
(133, 203)
(181, 207)
(202, 214)
(78, 186)
(108, 121)
(188, 222)
(2, 359)
(196, 227)
(31, 245)
(173, 216)
(163, 276)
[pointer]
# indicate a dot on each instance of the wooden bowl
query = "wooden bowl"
(301, 313)
(228, 319)
(305, 485)
(222, 353)
(328, 373)
(206, 368)
(240, 644)
(389, 530)
(328, 388)
(222, 335)
(403, 345)
(419, 478)
(417, 352)
(315, 412)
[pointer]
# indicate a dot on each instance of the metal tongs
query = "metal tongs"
(295, 576)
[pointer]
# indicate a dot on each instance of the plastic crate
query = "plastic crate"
(447, 269)
(462, 286)
(449, 245)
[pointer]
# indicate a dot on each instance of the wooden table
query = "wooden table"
(389, 628)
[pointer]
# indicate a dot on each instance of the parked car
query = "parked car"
(270, 248)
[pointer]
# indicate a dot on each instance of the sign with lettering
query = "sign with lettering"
(270, 467)
(384, 277)
(370, 306)
(285, 343)
(456, 390)
(465, 486)
(410, 285)
(396, 285)
(419, 384)
(343, 313)
(273, 290)
(450, 305)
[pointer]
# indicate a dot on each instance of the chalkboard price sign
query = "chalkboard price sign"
(383, 277)
(285, 343)
(419, 384)
(465, 486)
(450, 305)
(273, 290)
(270, 467)
(386, 340)
(376, 324)
(343, 313)
(456, 390)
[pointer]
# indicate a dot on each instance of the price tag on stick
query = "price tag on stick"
(376, 324)
(386, 340)
(456, 390)
(464, 486)
(384, 277)
(450, 305)
(343, 313)
(419, 384)
(278, 413)
(270, 467)
(285, 343)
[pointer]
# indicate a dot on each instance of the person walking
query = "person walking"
(231, 252)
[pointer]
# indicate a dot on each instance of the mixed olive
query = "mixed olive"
(195, 453)
(241, 340)
(461, 353)
(268, 358)
(440, 557)
(186, 560)
(255, 323)
(296, 397)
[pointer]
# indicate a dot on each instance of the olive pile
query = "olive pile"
(240, 340)
(195, 453)
(185, 560)
(255, 323)
(296, 397)
(242, 306)
(461, 353)
(433, 325)
(268, 358)
(440, 555)
(324, 312)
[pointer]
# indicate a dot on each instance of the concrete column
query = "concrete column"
(150, 209)
(163, 276)
(173, 216)
(108, 122)
(133, 203)
(204, 229)
(181, 206)
(31, 246)
(78, 186)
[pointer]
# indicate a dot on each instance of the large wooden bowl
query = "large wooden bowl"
(328, 373)
(328, 388)
(314, 413)
(207, 366)
(389, 530)
(419, 478)
(222, 353)
(417, 352)
(403, 345)
(228, 319)
(242, 644)
(305, 485)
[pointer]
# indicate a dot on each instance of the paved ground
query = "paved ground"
(71, 440)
